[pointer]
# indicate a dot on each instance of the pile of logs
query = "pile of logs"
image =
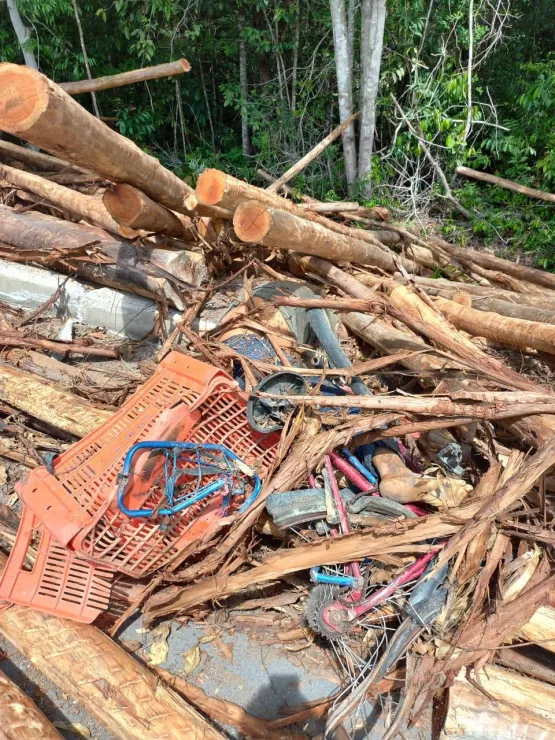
(97, 207)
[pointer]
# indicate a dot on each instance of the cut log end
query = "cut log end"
(252, 221)
(211, 187)
(185, 64)
(123, 202)
(23, 97)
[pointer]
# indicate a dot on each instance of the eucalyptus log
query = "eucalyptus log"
(88, 666)
(215, 188)
(20, 718)
(256, 223)
(507, 184)
(541, 628)
(40, 160)
(516, 333)
(170, 69)
(135, 210)
(519, 707)
(81, 206)
(45, 401)
(491, 262)
(39, 111)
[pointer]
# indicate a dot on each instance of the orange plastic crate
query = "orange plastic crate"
(42, 574)
(78, 504)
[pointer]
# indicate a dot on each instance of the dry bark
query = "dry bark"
(256, 223)
(226, 711)
(507, 184)
(39, 111)
(135, 210)
(85, 664)
(541, 628)
(170, 69)
(529, 661)
(42, 400)
(78, 205)
(20, 718)
(513, 332)
(519, 707)
(19, 339)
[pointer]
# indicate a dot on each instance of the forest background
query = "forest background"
(438, 83)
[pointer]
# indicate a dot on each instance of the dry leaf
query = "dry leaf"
(207, 638)
(3, 475)
(159, 649)
(75, 727)
(191, 659)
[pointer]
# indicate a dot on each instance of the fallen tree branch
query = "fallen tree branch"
(507, 184)
(170, 69)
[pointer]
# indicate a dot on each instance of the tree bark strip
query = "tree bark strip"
(42, 400)
(39, 111)
(20, 718)
(170, 69)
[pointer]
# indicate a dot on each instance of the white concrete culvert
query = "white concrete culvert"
(118, 312)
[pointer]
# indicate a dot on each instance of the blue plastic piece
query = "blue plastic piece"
(317, 577)
(210, 459)
(355, 462)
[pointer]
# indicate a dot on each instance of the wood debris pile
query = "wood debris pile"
(415, 459)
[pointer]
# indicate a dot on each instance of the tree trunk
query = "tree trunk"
(215, 188)
(22, 33)
(38, 159)
(530, 660)
(131, 208)
(85, 664)
(126, 78)
(255, 223)
(58, 408)
(85, 55)
(78, 205)
(244, 87)
(519, 707)
(296, 45)
(373, 14)
(515, 333)
(507, 184)
(37, 110)
(20, 718)
(490, 262)
(344, 85)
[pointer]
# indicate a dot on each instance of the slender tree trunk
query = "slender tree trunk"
(371, 44)
(85, 55)
(351, 14)
(208, 111)
(344, 85)
(22, 33)
(295, 56)
(243, 82)
(469, 69)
